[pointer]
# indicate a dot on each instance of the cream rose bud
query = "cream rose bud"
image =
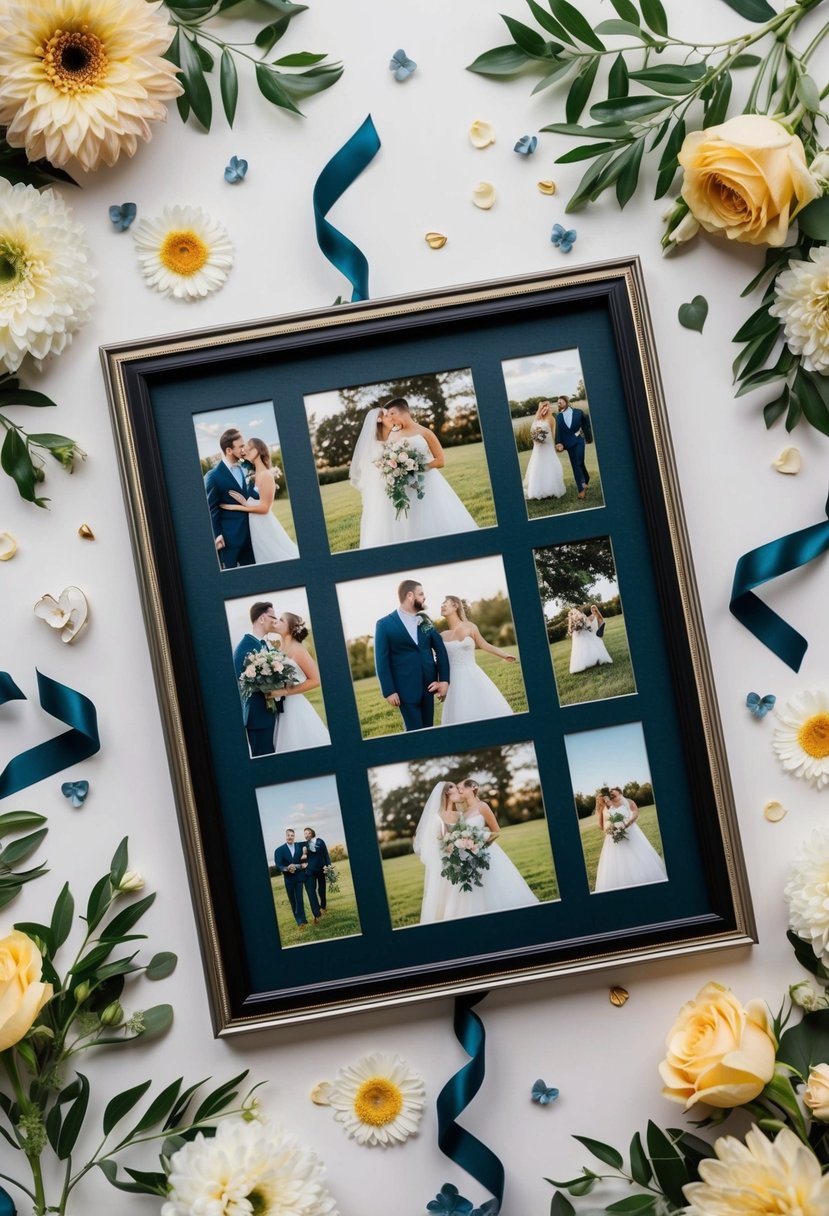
(816, 1093)
(22, 995)
(806, 997)
(746, 178)
(132, 881)
(718, 1052)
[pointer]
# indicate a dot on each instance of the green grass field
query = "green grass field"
(341, 919)
(596, 683)
(570, 501)
(465, 470)
(592, 839)
(526, 844)
(377, 717)
(282, 510)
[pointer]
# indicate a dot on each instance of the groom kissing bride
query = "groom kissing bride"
(410, 658)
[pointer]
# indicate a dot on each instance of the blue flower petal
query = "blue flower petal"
(123, 216)
(543, 1093)
(449, 1202)
(235, 171)
(526, 145)
(401, 65)
(760, 706)
(564, 238)
(75, 791)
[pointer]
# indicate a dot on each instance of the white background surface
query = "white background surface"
(603, 1059)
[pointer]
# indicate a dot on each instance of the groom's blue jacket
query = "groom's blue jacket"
(255, 712)
(406, 667)
(234, 526)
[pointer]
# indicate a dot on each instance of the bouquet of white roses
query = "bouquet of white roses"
(539, 433)
(616, 827)
(266, 671)
(402, 468)
(464, 855)
(332, 878)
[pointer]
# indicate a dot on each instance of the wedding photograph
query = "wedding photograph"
(553, 431)
(308, 863)
(245, 485)
(463, 834)
(400, 460)
(274, 662)
(584, 620)
(616, 808)
(434, 646)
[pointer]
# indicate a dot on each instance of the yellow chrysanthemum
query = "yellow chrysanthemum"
(379, 1100)
(801, 738)
(762, 1177)
(80, 80)
(184, 253)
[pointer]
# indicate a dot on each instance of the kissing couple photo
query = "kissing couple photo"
(618, 823)
(402, 460)
(412, 672)
(277, 674)
(463, 835)
(247, 494)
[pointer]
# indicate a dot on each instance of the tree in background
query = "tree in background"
(567, 573)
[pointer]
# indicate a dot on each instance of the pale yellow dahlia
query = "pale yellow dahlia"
(46, 288)
(183, 253)
(378, 1100)
(807, 893)
(801, 302)
(81, 79)
(762, 1177)
(801, 737)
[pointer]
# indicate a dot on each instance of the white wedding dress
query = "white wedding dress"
(299, 725)
(586, 650)
(503, 887)
(472, 696)
(632, 862)
(544, 478)
(270, 541)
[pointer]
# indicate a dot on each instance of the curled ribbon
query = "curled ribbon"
(455, 1141)
(76, 744)
(344, 168)
(767, 562)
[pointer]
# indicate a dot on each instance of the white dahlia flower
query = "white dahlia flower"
(378, 1100)
(80, 79)
(807, 893)
(46, 288)
(247, 1169)
(762, 1177)
(183, 253)
(801, 302)
(801, 737)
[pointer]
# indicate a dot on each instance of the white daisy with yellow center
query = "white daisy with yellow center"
(801, 737)
(184, 252)
(80, 80)
(378, 1100)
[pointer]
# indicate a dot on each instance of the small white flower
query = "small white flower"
(184, 252)
(807, 893)
(801, 735)
(46, 288)
(801, 302)
(132, 881)
(378, 1100)
(806, 997)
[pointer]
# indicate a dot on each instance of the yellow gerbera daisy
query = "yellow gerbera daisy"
(80, 79)
(378, 1100)
(184, 253)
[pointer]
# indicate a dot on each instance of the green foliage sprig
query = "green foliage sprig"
(20, 454)
(196, 45)
(11, 854)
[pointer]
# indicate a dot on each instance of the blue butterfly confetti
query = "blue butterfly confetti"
(759, 706)
(236, 169)
(123, 216)
(448, 1202)
(402, 65)
(75, 791)
(526, 145)
(542, 1093)
(564, 238)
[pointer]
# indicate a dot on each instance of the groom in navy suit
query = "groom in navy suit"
(259, 720)
(572, 432)
(288, 860)
(231, 529)
(410, 658)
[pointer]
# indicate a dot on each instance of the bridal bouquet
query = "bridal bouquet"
(402, 468)
(333, 879)
(465, 850)
(266, 671)
(723, 1057)
(616, 827)
(539, 433)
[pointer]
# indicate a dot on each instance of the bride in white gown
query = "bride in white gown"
(472, 696)
(270, 541)
(299, 725)
(586, 649)
(631, 861)
(543, 478)
(503, 887)
(438, 513)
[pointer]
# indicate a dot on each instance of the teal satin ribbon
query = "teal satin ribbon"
(7, 1207)
(344, 168)
(456, 1142)
(76, 744)
(760, 566)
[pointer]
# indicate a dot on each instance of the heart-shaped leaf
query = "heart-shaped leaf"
(693, 315)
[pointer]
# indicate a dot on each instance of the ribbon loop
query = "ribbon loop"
(343, 168)
(75, 745)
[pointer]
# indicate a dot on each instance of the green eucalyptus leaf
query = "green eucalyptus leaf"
(625, 29)
(270, 86)
(745, 61)
(627, 10)
(151, 1182)
(633, 1203)
(758, 379)
(73, 1120)
(219, 1098)
(178, 1112)
(315, 80)
(127, 918)
(549, 23)
(592, 178)
(627, 108)
(755, 353)
(109, 1169)
(157, 1019)
(99, 900)
(229, 85)
(558, 73)
(500, 61)
(813, 220)
(640, 1167)
(668, 1166)
(717, 108)
(301, 59)
(120, 860)
(692, 1147)
(693, 314)
(17, 850)
(161, 965)
(32, 929)
(580, 89)
(158, 1110)
(605, 1152)
(62, 916)
(9, 889)
(655, 17)
(584, 1185)
(528, 39)
(121, 1105)
(628, 177)
(269, 35)
(286, 8)
(617, 80)
(587, 152)
(815, 409)
(561, 1205)
(760, 322)
(24, 396)
(16, 461)
(670, 73)
(752, 10)
(195, 85)
(579, 26)
(16, 821)
(205, 58)
(602, 130)
(794, 413)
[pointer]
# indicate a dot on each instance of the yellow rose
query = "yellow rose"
(816, 1093)
(718, 1052)
(747, 178)
(22, 995)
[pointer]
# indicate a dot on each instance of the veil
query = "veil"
(425, 843)
(367, 448)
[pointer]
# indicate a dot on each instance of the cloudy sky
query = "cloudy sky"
(312, 802)
(610, 756)
(238, 619)
(254, 421)
(542, 375)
